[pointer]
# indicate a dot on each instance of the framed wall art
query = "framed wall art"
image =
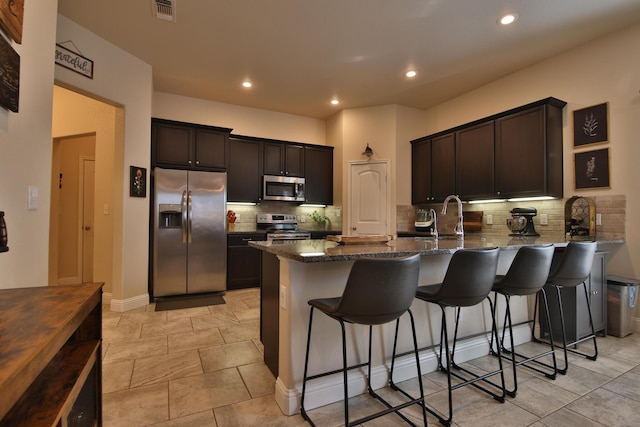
(9, 76)
(592, 169)
(137, 181)
(591, 125)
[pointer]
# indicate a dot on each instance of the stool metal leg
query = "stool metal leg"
(565, 345)
(345, 368)
(526, 361)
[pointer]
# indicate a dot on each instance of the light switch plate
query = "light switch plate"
(32, 204)
(598, 219)
(489, 219)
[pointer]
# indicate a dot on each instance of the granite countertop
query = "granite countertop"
(323, 250)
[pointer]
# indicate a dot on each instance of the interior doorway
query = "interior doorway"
(72, 198)
(369, 203)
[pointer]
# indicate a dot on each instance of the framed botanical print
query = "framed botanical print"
(591, 125)
(138, 181)
(592, 169)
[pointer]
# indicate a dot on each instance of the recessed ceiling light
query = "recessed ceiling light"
(247, 84)
(335, 102)
(508, 19)
(411, 74)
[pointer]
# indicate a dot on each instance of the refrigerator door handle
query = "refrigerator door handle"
(184, 216)
(190, 213)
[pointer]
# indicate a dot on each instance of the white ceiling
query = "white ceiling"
(299, 54)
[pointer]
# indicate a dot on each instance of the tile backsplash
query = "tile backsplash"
(247, 215)
(611, 208)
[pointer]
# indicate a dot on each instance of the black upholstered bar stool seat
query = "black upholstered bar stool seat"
(467, 282)
(377, 291)
(527, 275)
(572, 271)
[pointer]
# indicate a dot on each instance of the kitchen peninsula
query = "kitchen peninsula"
(294, 273)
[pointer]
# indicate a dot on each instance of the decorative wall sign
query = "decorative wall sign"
(11, 14)
(591, 125)
(74, 61)
(137, 181)
(9, 76)
(592, 169)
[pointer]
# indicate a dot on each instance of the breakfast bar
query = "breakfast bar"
(295, 272)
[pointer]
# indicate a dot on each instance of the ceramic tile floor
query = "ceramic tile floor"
(203, 367)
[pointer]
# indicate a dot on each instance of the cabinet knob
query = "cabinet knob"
(354, 228)
(189, 162)
(197, 162)
(87, 227)
(594, 292)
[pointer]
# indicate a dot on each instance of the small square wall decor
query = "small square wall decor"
(591, 125)
(592, 169)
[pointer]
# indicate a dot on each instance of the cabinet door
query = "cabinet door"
(443, 175)
(520, 154)
(474, 162)
(294, 160)
(243, 261)
(421, 172)
(171, 144)
(244, 174)
(273, 159)
(319, 175)
(210, 149)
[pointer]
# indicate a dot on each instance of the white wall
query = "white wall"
(125, 81)
(25, 152)
(604, 70)
(243, 120)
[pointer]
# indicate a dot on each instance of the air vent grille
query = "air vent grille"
(164, 9)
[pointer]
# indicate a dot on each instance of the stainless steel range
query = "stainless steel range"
(281, 227)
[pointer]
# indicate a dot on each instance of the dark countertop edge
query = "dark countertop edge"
(282, 251)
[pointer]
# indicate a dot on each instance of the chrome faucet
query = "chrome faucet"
(458, 229)
(434, 229)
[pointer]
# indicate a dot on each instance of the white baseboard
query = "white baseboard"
(106, 298)
(321, 392)
(129, 303)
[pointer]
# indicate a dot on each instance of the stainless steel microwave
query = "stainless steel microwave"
(283, 188)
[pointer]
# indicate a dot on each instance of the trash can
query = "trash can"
(621, 300)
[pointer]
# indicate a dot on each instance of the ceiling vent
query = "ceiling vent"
(164, 9)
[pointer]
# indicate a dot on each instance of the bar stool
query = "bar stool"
(527, 275)
(378, 291)
(574, 270)
(467, 282)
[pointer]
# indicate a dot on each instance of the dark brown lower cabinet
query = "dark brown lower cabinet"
(243, 261)
(270, 310)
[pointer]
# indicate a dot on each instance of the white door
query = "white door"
(369, 198)
(87, 198)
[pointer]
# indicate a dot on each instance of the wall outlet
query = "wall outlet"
(105, 209)
(544, 219)
(32, 203)
(489, 219)
(598, 219)
(303, 218)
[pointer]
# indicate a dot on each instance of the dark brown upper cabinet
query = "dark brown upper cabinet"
(189, 146)
(474, 161)
(281, 158)
(529, 152)
(432, 169)
(516, 153)
(244, 175)
(319, 174)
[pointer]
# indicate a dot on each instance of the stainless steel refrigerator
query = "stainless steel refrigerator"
(190, 241)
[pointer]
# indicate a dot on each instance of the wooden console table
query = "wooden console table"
(50, 356)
